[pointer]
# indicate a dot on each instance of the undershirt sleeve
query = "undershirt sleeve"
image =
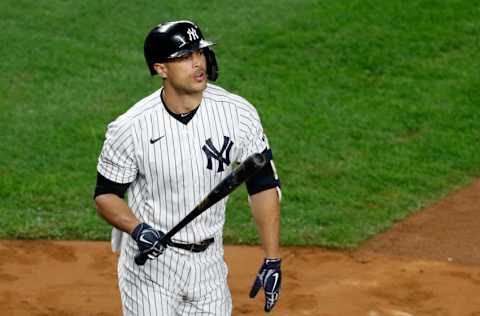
(105, 186)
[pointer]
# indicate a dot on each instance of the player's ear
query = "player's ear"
(161, 69)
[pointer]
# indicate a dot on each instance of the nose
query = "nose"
(197, 59)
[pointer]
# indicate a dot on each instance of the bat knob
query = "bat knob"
(140, 259)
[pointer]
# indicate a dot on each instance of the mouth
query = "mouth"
(199, 76)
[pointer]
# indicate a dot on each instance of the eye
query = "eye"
(183, 57)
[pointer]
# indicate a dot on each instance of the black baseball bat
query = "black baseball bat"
(243, 172)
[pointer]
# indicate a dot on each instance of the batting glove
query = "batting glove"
(148, 240)
(270, 278)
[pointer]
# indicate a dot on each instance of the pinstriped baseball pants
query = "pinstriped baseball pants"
(178, 282)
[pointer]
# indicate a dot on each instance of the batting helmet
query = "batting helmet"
(176, 39)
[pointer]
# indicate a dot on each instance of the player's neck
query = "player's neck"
(181, 102)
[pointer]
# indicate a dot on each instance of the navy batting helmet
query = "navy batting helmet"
(175, 39)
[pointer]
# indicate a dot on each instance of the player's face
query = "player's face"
(187, 74)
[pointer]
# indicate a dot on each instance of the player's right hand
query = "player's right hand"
(148, 240)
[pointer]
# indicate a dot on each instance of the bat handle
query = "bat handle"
(140, 259)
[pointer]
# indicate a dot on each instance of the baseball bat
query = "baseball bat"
(243, 172)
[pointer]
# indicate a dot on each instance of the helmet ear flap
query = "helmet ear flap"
(153, 72)
(212, 66)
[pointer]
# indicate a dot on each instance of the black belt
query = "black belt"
(202, 246)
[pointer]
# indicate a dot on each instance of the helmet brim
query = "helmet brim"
(190, 48)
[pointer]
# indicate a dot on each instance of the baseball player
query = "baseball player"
(167, 152)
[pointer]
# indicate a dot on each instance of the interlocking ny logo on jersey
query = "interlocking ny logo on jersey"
(192, 34)
(214, 153)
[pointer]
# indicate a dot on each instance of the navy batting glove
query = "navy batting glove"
(270, 278)
(148, 240)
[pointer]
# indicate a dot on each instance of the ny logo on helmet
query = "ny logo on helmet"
(192, 34)
(214, 153)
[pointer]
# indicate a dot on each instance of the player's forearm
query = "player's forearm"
(116, 212)
(266, 211)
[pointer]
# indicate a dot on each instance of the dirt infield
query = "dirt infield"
(428, 265)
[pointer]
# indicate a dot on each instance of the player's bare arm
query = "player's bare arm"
(116, 212)
(266, 211)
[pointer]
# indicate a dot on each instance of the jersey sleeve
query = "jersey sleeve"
(117, 160)
(254, 140)
(252, 137)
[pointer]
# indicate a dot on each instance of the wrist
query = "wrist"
(272, 263)
(137, 229)
(132, 226)
(272, 253)
(272, 258)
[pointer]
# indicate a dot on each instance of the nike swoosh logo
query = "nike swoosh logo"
(142, 239)
(154, 140)
(275, 275)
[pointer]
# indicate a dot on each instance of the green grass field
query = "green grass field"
(371, 107)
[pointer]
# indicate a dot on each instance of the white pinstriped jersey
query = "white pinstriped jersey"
(171, 166)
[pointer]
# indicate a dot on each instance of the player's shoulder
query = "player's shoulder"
(138, 110)
(227, 98)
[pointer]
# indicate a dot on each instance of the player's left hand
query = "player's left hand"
(270, 278)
